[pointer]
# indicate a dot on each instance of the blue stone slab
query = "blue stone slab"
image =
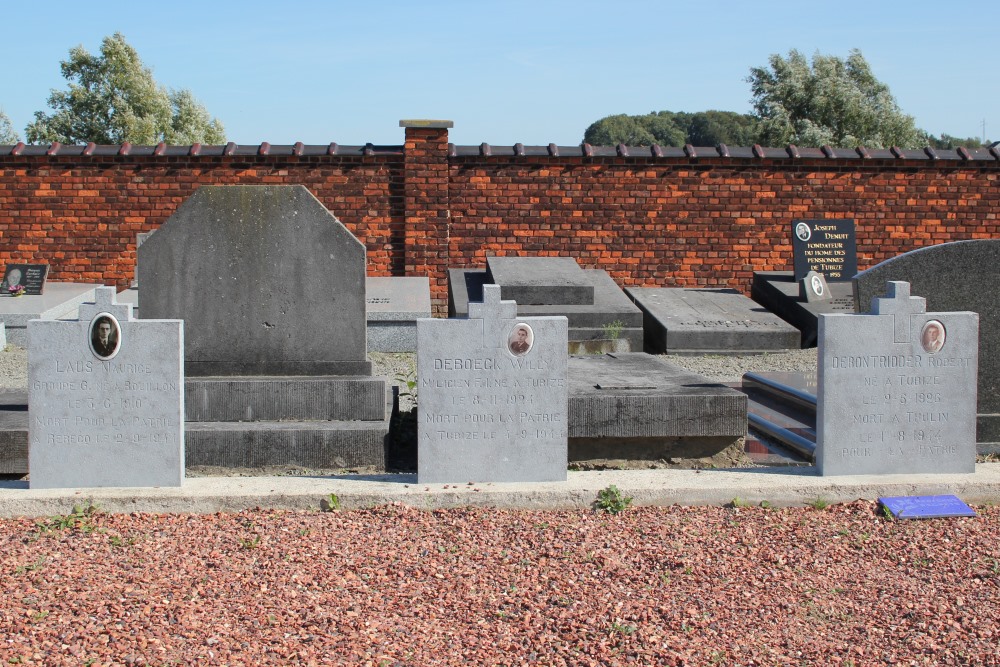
(926, 507)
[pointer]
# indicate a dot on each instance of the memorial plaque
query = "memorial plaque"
(493, 395)
(926, 507)
(105, 399)
(824, 246)
(897, 389)
(813, 288)
(31, 277)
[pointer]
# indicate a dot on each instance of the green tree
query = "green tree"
(669, 128)
(7, 133)
(112, 98)
(830, 101)
(946, 141)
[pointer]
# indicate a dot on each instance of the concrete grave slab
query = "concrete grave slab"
(266, 279)
(59, 301)
(105, 410)
(540, 280)
(897, 389)
(638, 407)
(954, 277)
(492, 395)
(715, 321)
(779, 292)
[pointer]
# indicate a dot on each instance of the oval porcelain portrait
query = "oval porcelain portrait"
(105, 336)
(520, 340)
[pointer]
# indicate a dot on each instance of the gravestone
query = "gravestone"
(271, 288)
(608, 313)
(708, 321)
(267, 281)
(31, 278)
(954, 276)
(105, 399)
(897, 389)
(493, 395)
(540, 280)
(813, 287)
(394, 305)
(824, 246)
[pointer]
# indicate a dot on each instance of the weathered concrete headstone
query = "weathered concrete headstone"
(106, 399)
(266, 279)
(493, 395)
(954, 276)
(897, 389)
(824, 246)
(699, 321)
(394, 304)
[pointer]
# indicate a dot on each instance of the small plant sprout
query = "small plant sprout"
(331, 503)
(738, 502)
(818, 504)
(611, 500)
(613, 330)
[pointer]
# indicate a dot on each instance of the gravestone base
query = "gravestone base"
(637, 453)
(779, 292)
(13, 432)
(307, 444)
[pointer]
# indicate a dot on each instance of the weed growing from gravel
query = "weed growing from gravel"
(250, 543)
(37, 565)
(81, 519)
(622, 628)
(611, 500)
(332, 503)
(738, 502)
(818, 504)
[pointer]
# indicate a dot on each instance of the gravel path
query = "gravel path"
(401, 586)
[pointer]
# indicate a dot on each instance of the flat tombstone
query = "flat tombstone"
(105, 399)
(897, 389)
(493, 396)
(267, 281)
(824, 246)
(540, 280)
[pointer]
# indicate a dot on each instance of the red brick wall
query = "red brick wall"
(646, 220)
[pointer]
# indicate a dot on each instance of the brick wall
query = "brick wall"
(660, 216)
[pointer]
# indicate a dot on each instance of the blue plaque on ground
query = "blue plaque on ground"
(926, 507)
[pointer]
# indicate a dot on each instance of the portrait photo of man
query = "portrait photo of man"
(520, 339)
(11, 277)
(803, 232)
(105, 336)
(817, 285)
(932, 336)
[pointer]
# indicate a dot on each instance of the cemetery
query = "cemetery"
(512, 363)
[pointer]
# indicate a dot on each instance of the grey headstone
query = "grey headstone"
(891, 399)
(106, 417)
(813, 287)
(540, 280)
(3, 336)
(394, 305)
(954, 277)
(717, 321)
(267, 281)
(492, 408)
(59, 301)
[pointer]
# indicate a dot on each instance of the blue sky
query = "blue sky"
(532, 71)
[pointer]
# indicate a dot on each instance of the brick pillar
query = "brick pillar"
(428, 209)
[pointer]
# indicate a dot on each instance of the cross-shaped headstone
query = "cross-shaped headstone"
(106, 301)
(898, 303)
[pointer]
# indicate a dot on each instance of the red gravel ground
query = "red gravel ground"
(400, 586)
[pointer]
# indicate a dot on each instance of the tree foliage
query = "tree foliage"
(7, 133)
(828, 101)
(668, 128)
(112, 98)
